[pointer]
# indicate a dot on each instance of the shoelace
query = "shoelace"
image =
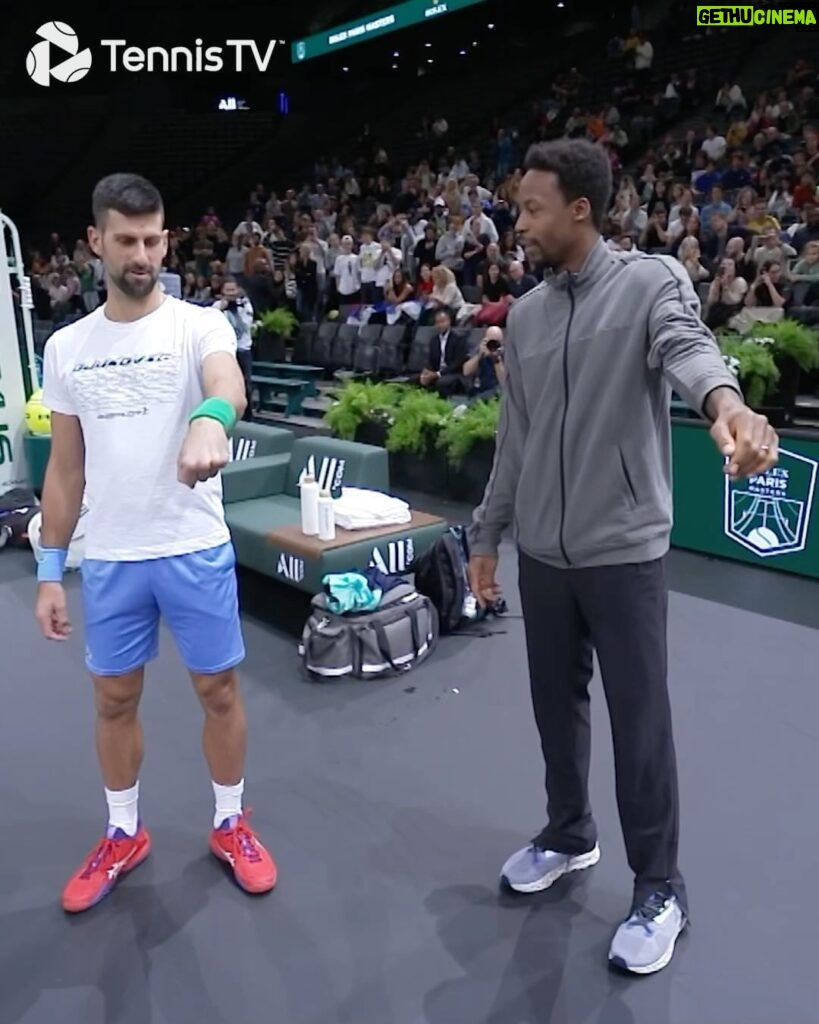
(246, 841)
(645, 915)
(103, 853)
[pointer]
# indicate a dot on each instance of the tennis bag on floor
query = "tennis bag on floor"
(440, 574)
(398, 635)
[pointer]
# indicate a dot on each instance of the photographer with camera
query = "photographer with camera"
(239, 311)
(486, 369)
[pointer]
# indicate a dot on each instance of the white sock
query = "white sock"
(123, 810)
(228, 802)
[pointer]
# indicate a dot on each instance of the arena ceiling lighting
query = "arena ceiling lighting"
(392, 19)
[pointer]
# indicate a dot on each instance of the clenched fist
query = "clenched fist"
(205, 451)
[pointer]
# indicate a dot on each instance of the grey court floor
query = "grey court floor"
(390, 807)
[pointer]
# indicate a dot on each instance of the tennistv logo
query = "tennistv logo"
(235, 54)
(56, 40)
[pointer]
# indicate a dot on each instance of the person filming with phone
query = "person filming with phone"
(486, 370)
(239, 311)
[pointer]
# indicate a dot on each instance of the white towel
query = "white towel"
(360, 509)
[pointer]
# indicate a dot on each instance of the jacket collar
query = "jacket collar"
(597, 260)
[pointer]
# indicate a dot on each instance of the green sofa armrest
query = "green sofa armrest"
(261, 477)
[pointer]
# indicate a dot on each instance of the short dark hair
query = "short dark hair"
(582, 168)
(129, 194)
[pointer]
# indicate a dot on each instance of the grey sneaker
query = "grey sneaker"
(533, 870)
(645, 942)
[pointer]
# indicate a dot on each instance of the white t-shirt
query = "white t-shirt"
(347, 273)
(367, 255)
(133, 387)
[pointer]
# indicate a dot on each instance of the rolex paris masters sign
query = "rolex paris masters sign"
(770, 514)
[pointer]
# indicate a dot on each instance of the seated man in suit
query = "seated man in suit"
(448, 351)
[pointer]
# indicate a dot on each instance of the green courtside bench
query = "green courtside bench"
(292, 388)
(263, 513)
(249, 440)
(287, 371)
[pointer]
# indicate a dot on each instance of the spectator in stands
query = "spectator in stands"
(714, 243)
(368, 252)
(689, 255)
(448, 353)
(737, 176)
(495, 298)
(399, 289)
(280, 246)
(424, 252)
(306, 277)
(765, 300)
(485, 372)
(519, 281)
(725, 296)
(387, 261)
(761, 219)
(654, 236)
(347, 273)
(202, 292)
(805, 191)
(450, 248)
(716, 206)
(256, 253)
(239, 313)
(445, 293)
(713, 145)
(424, 284)
(805, 272)
(767, 248)
(731, 101)
(704, 181)
(809, 230)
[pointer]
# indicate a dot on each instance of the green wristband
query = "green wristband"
(216, 409)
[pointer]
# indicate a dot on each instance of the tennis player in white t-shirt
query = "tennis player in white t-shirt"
(144, 393)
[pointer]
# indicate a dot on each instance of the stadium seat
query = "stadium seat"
(323, 343)
(419, 349)
(302, 350)
(343, 347)
(391, 350)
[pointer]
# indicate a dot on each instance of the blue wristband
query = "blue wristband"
(51, 565)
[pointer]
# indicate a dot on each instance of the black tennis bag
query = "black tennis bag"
(440, 574)
(17, 507)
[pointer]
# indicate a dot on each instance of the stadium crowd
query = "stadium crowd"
(737, 205)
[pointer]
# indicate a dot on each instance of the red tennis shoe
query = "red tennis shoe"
(110, 860)
(235, 843)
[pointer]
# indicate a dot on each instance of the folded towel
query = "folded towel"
(361, 509)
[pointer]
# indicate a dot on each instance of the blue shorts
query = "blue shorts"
(195, 594)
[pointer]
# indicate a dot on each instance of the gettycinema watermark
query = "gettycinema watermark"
(794, 17)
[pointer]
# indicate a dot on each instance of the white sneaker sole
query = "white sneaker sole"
(579, 863)
(658, 965)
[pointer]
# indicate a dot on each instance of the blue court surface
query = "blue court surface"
(390, 807)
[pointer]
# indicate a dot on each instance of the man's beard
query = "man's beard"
(136, 288)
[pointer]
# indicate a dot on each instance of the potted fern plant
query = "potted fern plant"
(271, 332)
(752, 362)
(468, 439)
(363, 411)
(795, 350)
(416, 462)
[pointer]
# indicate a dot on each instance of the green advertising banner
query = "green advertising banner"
(391, 19)
(771, 521)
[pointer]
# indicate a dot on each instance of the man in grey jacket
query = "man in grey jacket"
(582, 472)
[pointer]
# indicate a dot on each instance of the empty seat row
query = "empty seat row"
(369, 349)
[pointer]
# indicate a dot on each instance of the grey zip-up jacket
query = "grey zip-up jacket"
(582, 466)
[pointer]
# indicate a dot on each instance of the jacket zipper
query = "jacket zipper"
(563, 428)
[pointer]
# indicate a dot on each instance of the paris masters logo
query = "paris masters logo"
(770, 514)
(57, 55)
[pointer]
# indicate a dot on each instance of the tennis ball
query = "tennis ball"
(38, 417)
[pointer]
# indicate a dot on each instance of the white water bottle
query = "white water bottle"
(326, 517)
(309, 505)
